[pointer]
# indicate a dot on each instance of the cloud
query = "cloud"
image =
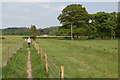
(59, 8)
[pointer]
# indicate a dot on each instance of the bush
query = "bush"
(33, 37)
(2, 37)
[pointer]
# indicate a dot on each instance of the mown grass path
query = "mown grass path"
(29, 70)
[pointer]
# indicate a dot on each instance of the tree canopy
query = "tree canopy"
(101, 24)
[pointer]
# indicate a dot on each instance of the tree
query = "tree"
(74, 14)
(100, 17)
(118, 26)
(105, 24)
(33, 32)
(114, 18)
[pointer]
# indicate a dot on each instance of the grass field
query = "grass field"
(38, 67)
(17, 66)
(11, 42)
(81, 58)
(84, 58)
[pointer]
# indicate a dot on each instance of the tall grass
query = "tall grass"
(12, 43)
(16, 67)
(38, 67)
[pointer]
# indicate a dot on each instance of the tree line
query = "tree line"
(27, 31)
(76, 18)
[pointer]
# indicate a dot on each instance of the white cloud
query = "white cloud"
(59, 8)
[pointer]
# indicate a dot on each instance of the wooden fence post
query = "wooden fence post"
(41, 53)
(38, 51)
(8, 56)
(62, 73)
(46, 61)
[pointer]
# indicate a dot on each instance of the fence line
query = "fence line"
(53, 63)
(13, 51)
(51, 66)
(53, 72)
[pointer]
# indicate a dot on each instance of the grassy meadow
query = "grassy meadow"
(12, 42)
(16, 67)
(83, 58)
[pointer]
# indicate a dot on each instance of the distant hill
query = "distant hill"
(15, 31)
(26, 31)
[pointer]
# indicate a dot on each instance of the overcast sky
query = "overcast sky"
(44, 14)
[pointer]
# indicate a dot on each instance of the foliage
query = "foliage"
(16, 31)
(33, 32)
(101, 24)
(74, 16)
(26, 31)
(48, 31)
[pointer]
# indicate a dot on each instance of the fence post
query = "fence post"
(46, 61)
(41, 53)
(62, 73)
(8, 56)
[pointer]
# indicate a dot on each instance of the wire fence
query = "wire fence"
(53, 70)
(12, 51)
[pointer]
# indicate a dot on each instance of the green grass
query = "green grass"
(84, 58)
(12, 43)
(16, 67)
(38, 67)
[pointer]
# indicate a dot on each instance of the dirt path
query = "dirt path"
(29, 70)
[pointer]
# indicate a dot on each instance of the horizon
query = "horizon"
(46, 13)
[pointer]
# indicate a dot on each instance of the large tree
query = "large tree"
(76, 15)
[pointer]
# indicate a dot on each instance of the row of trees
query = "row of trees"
(15, 31)
(75, 16)
(27, 31)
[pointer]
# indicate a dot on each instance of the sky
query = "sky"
(44, 14)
